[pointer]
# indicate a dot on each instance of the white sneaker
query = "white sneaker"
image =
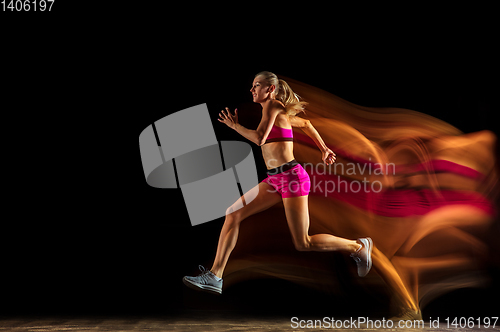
(363, 256)
(206, 281)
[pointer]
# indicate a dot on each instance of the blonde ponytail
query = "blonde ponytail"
(290, 99)
(284, 93)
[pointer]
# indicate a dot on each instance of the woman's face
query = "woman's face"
(260, 90)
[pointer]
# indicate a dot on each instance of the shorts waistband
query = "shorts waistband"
(283, 168)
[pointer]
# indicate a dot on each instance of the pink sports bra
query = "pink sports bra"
(279, 134)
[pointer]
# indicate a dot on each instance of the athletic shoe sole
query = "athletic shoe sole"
(369, 248)
(204, 288)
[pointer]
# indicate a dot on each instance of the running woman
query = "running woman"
(287, 181)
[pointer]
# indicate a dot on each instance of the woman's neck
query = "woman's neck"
(266, 102)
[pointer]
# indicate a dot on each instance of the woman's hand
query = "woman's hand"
(227, 118)
(329, 156)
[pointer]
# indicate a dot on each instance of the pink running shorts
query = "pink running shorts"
(294, 182)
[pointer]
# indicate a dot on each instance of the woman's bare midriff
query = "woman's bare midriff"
(277, 153)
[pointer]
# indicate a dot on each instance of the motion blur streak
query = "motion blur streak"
(429, 223)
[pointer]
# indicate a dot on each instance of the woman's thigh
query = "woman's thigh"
(265, 197)
(297, 216)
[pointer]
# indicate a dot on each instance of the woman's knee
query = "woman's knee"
(233, 216)
(302, 244)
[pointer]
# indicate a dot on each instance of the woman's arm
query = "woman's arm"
(307, 127)
(257, 136)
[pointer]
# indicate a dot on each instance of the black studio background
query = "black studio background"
(85, 234)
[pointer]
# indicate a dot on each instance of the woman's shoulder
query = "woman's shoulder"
(274, 106)
(282, 119)
(277, 104)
